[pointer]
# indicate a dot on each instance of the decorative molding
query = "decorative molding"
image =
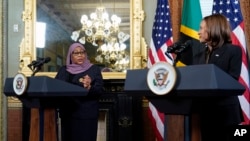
(137, 18)
(125, 121)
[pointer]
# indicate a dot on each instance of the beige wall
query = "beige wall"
(149, 7)
(14, 17)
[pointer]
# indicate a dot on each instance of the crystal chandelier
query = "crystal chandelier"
(104, 33)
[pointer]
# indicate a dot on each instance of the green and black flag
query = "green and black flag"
(190, 23)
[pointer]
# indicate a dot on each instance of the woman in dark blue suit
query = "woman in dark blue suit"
(79, 115)
(218, 114)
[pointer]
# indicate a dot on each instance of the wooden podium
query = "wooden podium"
(193, 82)
(43, 94)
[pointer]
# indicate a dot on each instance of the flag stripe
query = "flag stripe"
(189, 32)
(158, 120)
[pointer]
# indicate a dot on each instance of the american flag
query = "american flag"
(231, 9)
(161, 34)
(161, 38)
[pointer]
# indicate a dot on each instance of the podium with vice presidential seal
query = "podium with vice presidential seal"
(172, 89)
(40, 96)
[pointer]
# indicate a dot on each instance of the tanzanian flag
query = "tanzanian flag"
(191, 18)
(190, 24)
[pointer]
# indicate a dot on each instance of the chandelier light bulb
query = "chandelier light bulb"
(88, 32)
(116, 46)
(84, 19)
(105, 16)
(75, 35)
(89, 23)
(123, 61)
(93, 16)
(82, 40)
(104, 47)
(123, 46)
(94, 43)
(107, 58)
(113, 18)
(118, 20)
(99, 58)
(107, 25)
(121, 35)
(106, 32)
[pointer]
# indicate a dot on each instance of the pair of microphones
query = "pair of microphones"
(38, 63)
(179, 47)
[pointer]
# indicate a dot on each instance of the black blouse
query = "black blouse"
(86, 106)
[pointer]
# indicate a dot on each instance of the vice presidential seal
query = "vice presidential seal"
(20, 83)
(161, 78)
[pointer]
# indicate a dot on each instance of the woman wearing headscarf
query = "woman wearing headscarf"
(79, 115)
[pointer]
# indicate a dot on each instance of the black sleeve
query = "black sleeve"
(62, 74)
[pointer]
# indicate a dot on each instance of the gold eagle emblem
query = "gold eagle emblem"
(161, 78)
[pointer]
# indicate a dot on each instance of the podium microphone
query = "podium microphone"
(178, 48)
(42, 61)
(184, 46)
(38, 63)
(173, 48)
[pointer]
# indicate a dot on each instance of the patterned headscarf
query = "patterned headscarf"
(75, 68)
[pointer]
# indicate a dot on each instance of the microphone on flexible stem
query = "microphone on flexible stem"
(184, 47)
(36, 65)
(39, 62)
(32, 64)
(178, 48)
(42, 61)
(171, 49)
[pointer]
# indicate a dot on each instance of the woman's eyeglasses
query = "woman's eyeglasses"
(78, 53)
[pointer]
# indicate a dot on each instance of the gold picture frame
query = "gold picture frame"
(138, 51)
